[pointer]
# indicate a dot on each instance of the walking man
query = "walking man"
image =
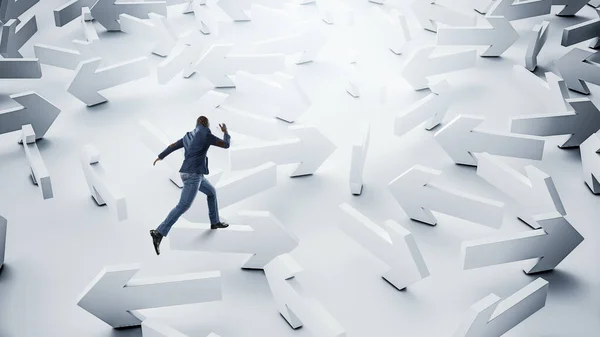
(193, 169)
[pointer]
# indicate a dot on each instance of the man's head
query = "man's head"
(202, 120)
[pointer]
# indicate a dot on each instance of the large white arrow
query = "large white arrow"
(310, 149)
(114, 296)
(156, 140)
(157, 30)
(580, 124)
(3, 225)
(418, 196)
(421, 65)
(259, 234)
(430, 110)
(107, 12)
(499, 37)
(460, 141)
(70, 11)
(535, 192)
(243, 186)
(281, 90)
(394, 245)
(217, 64)
(294, 304)
(576, 70)
(89, 79)
(20, 68)
(12, 9)
(553, 92)
(549, 245)
(492, 317)
(537, 39)
(38, 171)
(429, 14)
(590, 161)
(581, 32)
(31, 109)
(516, 10)
(14, 35)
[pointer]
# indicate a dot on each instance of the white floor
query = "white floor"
(56, 247)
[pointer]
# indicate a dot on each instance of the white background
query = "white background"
(56, 247)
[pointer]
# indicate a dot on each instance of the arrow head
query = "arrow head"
(315, 148)
(476, 318)
(572, 66)
(82, 85)
(504, 36)
(38, 111)
(213, 65)
(455, 138)
(414, 71)
(588, 121)
(407, 190)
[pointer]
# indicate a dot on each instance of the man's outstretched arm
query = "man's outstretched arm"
(175, 146)
(216, 141)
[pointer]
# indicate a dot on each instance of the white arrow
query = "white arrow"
(242, 187)
(357, 162)
(107, 12)
(59, 57)
(591, 162)
(418, 196)
(217, 64)
(430, 109)
(516, 10)
(89, 79)
(294, 304)
(571, 6)
(260, 234)
(549, 245)
(282, 92)
(492, 317)
(38, 171)
(114, 297)
(429, 14)
(582, 31)
(70, 11)
(310, 150)
(421, 65)
(3, 225)
(535, 192)
(157, 30)
(576, 70)
(14, 35)
(31, 109)
(157, 141)
(394, 245)
(12, 9)
(537, 39)
(20, 68)
(553, 92)
(460, 141)
(207, 17)
(580, 124)
(499, 37)
(102, 189)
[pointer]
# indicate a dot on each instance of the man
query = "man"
(193, 169)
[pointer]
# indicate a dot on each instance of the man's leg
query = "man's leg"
(213, 206)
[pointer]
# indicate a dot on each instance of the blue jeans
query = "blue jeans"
(192, 183)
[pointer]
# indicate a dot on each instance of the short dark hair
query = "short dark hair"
(202, 120)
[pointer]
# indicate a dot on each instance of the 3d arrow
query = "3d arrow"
(429, 14)
(157, 30)
(549, 245)
(260, 234)
(281, 91)
(421, 65)
(70, 11)
(499, 37)
(243, 186)
(20, 68)
(14, 35)
(576, 70)
(113, 296)
(418, 196)
(157, 141)
(492, 317)
(516, 10)
(430, 110)
(581, 32)
(217, 64)
(590, 161)
(89, 79)
(32, 109)
(553, 92)
(107, 12)
(394, 245)
(38, 171)
(310, 150)
(294, 304)
(12, 9)
(580, 124)
(537, 39)
(3, 225)
(459, 140)
(59, 57)
(535, 192)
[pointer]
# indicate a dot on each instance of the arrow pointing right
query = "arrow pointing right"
(576, 70)
(492, 317)
(421, 65)
(418, 196)
(114, 297)
(590, 161)
(33, 109)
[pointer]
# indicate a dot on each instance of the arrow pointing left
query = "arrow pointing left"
(32, 109)
(576, 69)
(107, 12)
(89, 79)
(549, 245)
(114, 296)
(421, 65)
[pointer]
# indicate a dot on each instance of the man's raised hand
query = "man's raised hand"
(223, 127)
